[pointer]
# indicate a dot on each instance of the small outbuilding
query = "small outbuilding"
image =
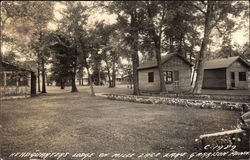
(177, 74)
(16, 81)
(226, 73)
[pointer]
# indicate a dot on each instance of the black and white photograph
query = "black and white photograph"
(125, 80)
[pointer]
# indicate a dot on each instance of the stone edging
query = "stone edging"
(222, 97)
(14, 97)
(5, 98)
(206, 104)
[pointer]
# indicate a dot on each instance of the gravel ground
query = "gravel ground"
(60, 121)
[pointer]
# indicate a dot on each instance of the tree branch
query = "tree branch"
(219, 30)
(162, 21)
(203, 2)
(62, 43)
(197, 8)
(216, 22)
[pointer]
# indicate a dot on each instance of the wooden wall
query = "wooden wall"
(143, 80)
(237, 67)
(214, 79)
(16, 90)
(174, 64)
(221, 78)
(19, 86)
(178, 64)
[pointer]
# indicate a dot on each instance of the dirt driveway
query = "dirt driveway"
(60, 121)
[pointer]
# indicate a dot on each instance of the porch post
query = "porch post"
(17, 83)
(4, 79)
(248, 79)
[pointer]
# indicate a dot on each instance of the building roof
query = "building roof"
(10, 67)
(153, 63)
(223, 62)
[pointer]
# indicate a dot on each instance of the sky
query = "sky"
(95, 16)
(240, 37)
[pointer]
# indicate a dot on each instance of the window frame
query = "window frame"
(11, 79)
(243, 77)
(23, 80)
(169, 75)
(150, 77)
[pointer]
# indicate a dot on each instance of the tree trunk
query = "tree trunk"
(181, 45)
(73, 78)
(43, 77)
(157, 46)
(73, 84)
(161, 74)
(46, 75)
(113, 75)
(38, 74)
(195, 70)
(109, 76)
(202, 54)
(38, 78)
(90, 80)
(99, 76)
(135, 57)
(191, 61)
(171, 45)
(135, 63)
(62, 83)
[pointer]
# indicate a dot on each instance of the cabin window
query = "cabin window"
(150, 77)
(10, 79)
(242, 76)
(169, 77)
(23, 80)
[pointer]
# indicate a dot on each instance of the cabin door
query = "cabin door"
(232, 79)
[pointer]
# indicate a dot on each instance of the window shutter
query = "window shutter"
(176, 75)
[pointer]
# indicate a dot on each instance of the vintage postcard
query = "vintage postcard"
(125, 80)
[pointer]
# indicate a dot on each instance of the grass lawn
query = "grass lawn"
(60, 121)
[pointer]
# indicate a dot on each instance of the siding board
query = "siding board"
(221, 78)
(214, 79)
(173, 64)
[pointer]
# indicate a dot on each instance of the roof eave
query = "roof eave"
(215, 68)
(142, 68)
(185, 60)
(17, 67)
